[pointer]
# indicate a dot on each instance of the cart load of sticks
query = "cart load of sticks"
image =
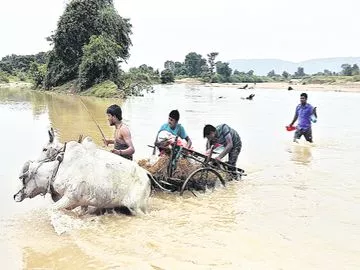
(184, 167)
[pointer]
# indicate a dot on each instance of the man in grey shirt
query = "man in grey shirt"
(226, 136)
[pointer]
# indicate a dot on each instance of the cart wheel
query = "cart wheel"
(202, 178)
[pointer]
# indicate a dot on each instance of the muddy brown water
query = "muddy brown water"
(298, 207)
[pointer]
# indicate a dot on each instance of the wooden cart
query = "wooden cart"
(209, 173)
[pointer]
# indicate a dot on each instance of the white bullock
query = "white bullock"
(85, 175)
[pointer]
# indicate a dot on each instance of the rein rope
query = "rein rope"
(50, 187)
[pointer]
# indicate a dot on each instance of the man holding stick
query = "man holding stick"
(123, 145)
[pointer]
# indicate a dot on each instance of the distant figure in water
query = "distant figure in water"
(244, 87)
(122, 142)
(304, 113)
(251, 97)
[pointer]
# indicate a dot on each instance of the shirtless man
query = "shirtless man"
(123, 145)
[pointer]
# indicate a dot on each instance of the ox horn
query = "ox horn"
(26, 166)
(24, 175)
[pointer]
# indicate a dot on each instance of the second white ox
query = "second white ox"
(87, 176)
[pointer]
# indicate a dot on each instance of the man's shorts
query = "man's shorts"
(306, 132)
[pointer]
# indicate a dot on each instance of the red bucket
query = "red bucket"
(290, 128)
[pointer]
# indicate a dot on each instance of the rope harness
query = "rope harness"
(49, 188)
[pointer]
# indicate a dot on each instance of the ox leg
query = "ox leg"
(143, 209)
(64, 203)
(84, 209)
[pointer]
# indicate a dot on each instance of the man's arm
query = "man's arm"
(314, 112)
(295, 118)
(183, 135)
(208, 144)
(108, 141)
(228, 147)
(189, 142)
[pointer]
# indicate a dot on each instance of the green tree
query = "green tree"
(193, 63)
(81, 20)
(272, 73)
(250, 73)
(205, 73)
(211, 61)
(4, 77)
(346, 70)
(99, 61)
(14, 64)
(180, 69)
(285, 74)
(223, 70)
(236, 72)
(300, 72)
(153, 75)
(37, 73)
(167, 76)
(169, 65)
(6, 67)
(355, 70)
(136, 80)
(327, 72)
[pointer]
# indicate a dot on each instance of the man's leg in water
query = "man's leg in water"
(297, 135)
(233, 157)
(308, 135)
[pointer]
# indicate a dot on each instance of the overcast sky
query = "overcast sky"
(168, 30)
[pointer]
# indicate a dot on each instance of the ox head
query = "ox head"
(51, 149)
(35, 177)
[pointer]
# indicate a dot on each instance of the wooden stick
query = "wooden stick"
(102, 134)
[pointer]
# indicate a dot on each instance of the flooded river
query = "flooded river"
(298, 207)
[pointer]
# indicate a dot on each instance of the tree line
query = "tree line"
(207, 69)
(346, 70)
(92, 41)
(34, 67)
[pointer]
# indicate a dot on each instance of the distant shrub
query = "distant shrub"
(21, 76)
(105, 89)
(319, 80)
(4, 77)
(167, 76)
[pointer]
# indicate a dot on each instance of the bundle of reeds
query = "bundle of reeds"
(183, 167)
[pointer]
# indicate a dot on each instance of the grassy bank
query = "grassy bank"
(106, 89)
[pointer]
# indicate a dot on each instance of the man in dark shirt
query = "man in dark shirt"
(226, 136)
